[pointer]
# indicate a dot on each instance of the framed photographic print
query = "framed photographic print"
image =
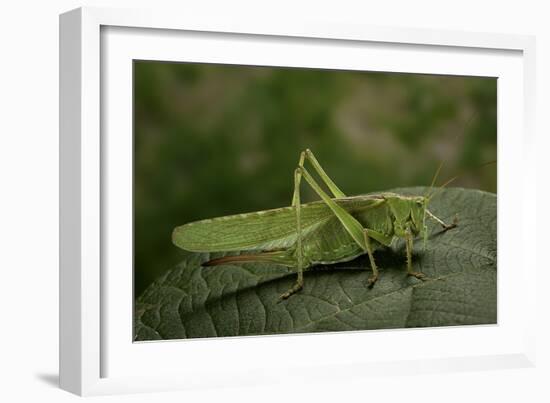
(207, 137)
(240, 196)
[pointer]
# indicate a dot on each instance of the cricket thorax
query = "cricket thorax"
(408, 214)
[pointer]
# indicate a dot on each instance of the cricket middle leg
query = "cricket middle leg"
(409, 246)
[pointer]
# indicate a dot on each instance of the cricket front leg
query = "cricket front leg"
(409, 247)
(299, 253)
(441, 222)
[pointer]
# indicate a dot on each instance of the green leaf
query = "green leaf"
(243, 299)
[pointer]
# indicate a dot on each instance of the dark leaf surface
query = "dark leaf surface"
(191, 301)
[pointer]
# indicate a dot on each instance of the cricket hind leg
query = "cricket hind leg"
(372, 279)
(299, 252)
(353, 227)
(306, 155)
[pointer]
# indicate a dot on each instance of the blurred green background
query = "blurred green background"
(213, 140)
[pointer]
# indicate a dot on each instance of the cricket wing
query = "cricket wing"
(263, 230)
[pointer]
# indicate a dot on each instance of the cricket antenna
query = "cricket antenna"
(428, 195)
(435, 177)
(458, 176)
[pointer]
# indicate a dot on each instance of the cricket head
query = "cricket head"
(409, 214)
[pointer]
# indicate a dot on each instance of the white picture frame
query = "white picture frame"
(96, 354)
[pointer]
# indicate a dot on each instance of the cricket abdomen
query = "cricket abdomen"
(331, 243)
